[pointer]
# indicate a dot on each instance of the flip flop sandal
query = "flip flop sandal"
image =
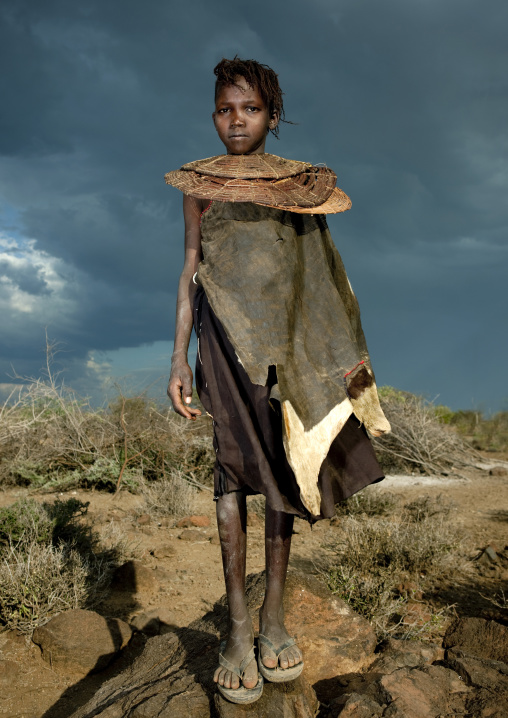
(278, 674)
(241, 694)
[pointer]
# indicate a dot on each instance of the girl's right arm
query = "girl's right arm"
(180, 380)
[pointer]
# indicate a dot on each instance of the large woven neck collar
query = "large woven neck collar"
(263, 179)
(261, 166)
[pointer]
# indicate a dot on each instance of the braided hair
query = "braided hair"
(262, 77)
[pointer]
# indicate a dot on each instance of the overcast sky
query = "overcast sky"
(405, 99)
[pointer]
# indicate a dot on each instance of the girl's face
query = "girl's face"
(241, 119)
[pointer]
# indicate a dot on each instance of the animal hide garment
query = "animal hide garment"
(278, 285)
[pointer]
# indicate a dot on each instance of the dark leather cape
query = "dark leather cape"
(278, 285)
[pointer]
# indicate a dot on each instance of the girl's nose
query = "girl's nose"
(236, 120)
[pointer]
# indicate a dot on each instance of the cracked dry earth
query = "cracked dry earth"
(186, 566)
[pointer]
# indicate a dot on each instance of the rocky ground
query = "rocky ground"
(165, 616)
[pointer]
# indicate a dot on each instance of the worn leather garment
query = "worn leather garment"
(278, 285)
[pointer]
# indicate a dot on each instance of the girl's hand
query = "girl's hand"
(180, 389)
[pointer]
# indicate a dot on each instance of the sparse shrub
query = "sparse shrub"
(50, 560)
(103, 475)
(376, 556)
(38, 583)
(485, 434)
(50, 438)
(425, 507)
(419, 441)
(169, 496)
(369, 502)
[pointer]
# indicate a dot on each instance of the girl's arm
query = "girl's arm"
(180, 380)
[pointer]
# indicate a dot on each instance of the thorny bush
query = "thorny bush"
(50, 560)
(419, 441)
(50, 439)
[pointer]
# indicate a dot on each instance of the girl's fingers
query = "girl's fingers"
(176, 394)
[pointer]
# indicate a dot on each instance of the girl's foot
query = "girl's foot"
(274, 630)
(236, 650)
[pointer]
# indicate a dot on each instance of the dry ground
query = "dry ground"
(191, 578)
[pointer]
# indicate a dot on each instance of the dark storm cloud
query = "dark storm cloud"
(27, 278)
(407, 101)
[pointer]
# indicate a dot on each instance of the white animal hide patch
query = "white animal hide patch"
(306, 450)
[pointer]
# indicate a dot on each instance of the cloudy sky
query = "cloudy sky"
(405, 99)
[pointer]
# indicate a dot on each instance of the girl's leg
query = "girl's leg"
(278, 532)
(231, 521)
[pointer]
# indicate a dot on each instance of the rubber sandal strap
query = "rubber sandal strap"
(277, 650)
(237, 670)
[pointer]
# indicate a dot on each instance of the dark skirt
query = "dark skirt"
(247, 425)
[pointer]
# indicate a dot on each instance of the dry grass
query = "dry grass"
(369, 502)
(50, 438)
(169, 496)
(384, 565)
(50, 561)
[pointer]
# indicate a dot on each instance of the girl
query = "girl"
(282, 366)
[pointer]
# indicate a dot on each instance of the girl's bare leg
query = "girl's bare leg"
(231, 521)
(278, 532)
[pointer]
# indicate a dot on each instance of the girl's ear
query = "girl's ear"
(274, 121)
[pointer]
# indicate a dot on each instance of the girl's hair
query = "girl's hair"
(262, 77)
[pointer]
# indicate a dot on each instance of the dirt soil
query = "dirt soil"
(190, 579)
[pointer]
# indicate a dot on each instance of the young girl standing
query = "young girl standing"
(282, 365)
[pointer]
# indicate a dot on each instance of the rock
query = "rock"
(498, 471)
(80, 641)
(193, 521)
(398, 653)
(163, 681)
(192, 704)
(479, 672)
(295, 699)
(9, 672)
(357, 706)
(148, 623)
(155, 621)
(144, 519)
(164, 551)
(215, 540)
(491, 554)
(192, 535)
(479, 637)
(12, 639)
(333, 638)
(133, 577)
(419, 693)
(174, 673)
(173, 676)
